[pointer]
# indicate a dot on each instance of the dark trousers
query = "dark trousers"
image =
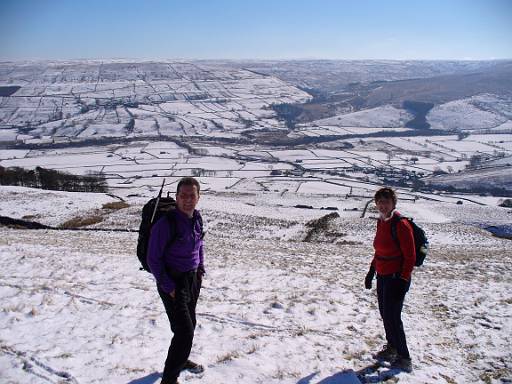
(391, 297)
(181, 312)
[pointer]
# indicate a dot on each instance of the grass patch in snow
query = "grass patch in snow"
(78, 222)
(115, 205)
(228, 357)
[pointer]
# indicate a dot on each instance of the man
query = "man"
(176, 259)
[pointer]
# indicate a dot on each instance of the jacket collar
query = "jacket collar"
(393, 213)
(184, 216)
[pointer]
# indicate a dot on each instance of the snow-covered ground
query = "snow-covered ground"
(273, 309)
(242, 167)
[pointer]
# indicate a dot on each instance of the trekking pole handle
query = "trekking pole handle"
(157, 201)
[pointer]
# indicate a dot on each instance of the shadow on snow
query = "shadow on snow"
(149, 379)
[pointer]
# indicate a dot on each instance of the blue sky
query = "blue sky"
(263, 29)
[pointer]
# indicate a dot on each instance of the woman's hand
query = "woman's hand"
(369, 277)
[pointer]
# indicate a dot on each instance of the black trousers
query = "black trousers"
(181, 312)
(391, 297)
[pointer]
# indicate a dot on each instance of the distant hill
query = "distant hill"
(445, 88)
(61, 101)
(496, 181)
(79, 100)
(341, 88)
(333, 76)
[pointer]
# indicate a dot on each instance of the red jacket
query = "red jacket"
(389, 256)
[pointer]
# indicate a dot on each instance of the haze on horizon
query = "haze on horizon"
(265, 29)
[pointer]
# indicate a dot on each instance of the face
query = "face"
(384, 206)
(187, 198)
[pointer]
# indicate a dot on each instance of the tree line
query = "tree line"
(54, 180)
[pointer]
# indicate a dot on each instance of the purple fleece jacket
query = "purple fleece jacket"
(185, 253)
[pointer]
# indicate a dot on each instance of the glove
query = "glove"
(369, 277)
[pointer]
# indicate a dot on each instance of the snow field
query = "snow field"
(273, 309)
(125, 163)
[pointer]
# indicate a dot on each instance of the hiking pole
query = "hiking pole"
(366, 207)
(157, 201)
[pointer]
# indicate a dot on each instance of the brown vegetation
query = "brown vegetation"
(115, 205)
(319, 225)
(78, 222)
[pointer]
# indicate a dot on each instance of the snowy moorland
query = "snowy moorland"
(273, 309)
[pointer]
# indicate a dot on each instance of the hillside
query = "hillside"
(273, 308)
(241, 128)
(63, 101)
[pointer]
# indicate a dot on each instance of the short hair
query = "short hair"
(188, 181)
(386, 193)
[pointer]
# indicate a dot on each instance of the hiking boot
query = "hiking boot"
(193, 367)
(402, 363)
(175, 381)
(387, 353)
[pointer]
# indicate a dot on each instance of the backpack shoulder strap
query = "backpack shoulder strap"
(171, 220)
(394, 223)
(200, 219)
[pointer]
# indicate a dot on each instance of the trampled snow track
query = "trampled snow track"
(36, 367)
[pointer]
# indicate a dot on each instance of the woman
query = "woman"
(393, 260)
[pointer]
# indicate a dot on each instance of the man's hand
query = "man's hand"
(172, 294)
(200, 274)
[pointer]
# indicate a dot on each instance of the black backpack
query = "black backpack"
(152, 211)
(420, 238)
